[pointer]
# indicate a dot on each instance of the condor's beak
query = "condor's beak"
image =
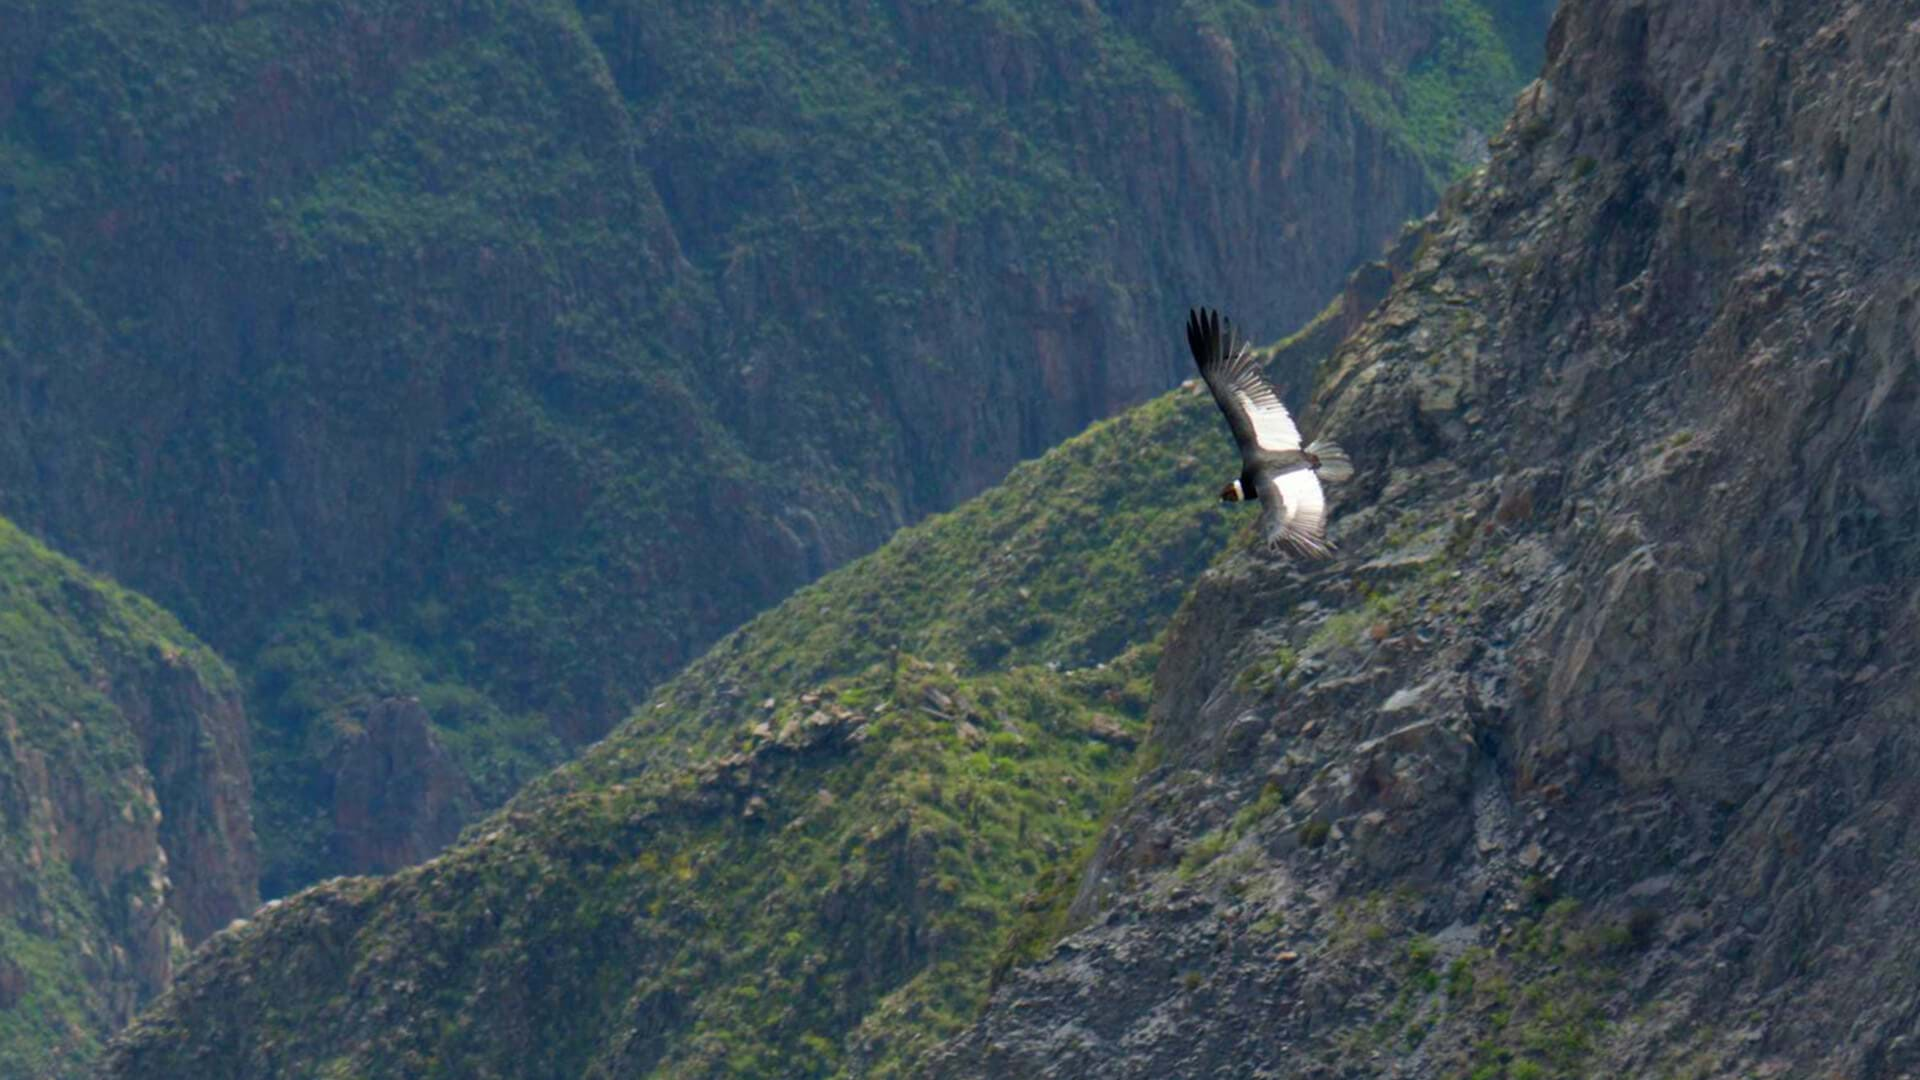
(1231, 493)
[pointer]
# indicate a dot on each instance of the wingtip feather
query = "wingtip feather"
(1203, 336)
(1302, 546)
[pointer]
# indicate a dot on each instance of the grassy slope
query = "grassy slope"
(77, 654)
(402, 360)
(1458, 91)
(1078, 556)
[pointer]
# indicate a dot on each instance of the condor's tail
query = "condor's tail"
(1334, 466)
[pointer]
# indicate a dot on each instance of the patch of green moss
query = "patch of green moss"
(1417, 963)
(1204, 851)
(1264, 676)
(1313, 833)
(62, 1019)
(1540, 1001)
(1348, 629)
(1208, 847)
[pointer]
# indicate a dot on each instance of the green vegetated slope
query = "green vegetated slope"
(1445, 103)
(859, 861)
(1077, 557)
(120, 735)
(808, 853)
(506, 353)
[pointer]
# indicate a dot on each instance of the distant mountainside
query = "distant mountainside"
(124, 827)
(1586, 758)
(810, 852)
(462, 370)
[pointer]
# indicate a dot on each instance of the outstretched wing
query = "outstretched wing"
(1293, 513)
(1253, 410)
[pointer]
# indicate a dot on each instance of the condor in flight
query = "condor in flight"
(1274, 469)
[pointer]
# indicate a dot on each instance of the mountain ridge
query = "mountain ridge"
(123, 805)
(506, 355)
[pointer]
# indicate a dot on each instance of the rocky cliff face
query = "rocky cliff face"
(506, 354)
(1588, 758)
(398, 795)
(124, 806)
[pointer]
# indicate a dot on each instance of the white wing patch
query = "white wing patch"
(1272, 426)
(1294, 513)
